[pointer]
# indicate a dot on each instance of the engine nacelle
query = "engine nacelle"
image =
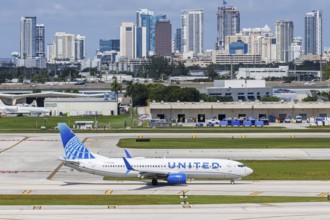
(177, 178)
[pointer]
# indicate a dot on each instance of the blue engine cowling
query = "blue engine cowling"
(177, 178)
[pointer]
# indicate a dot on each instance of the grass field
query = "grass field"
(143, 199)
(34, 123)
(281, 170)
(220, 143)
(289, 170)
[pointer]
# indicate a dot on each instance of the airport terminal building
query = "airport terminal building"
(202, 111)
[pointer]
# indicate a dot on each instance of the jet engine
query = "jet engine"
(177, 178)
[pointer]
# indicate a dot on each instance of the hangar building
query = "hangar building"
(81, 106)
(201, 111)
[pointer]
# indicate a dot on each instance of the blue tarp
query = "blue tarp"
(247, 123)
(235, 123)
(223, 123)
(259, 123)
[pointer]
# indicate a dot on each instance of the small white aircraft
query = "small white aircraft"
(22, 110)
(172, 170)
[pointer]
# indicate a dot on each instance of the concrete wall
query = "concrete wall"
(240, 83)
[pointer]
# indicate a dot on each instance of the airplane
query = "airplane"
(22, 110)
(172, 170)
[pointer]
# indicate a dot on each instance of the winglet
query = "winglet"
(128, 165)
(127, 154)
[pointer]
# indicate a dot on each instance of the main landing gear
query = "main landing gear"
(232, 181)
(154, 182)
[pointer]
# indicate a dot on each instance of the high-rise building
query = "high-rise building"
(192, 31)
(127, 40)
(228, 23)
(28, 37)
(178, 40)
(284, 39)
(109, 45)
(80, 47)
(296, 48)
(40, 40)
(50, 53)
(141, 42)
(146, 18)
(163, 38)
(313, 33)
(64, 47)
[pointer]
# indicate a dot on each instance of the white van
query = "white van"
(298, 119)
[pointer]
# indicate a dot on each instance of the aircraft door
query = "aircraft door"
(230, 168)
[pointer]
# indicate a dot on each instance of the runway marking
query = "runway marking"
(108, 192)
(322, 194)
(183, 191)
(37, 207)
(27, 192)
(14, 145)
(55, 171)
(255, 193)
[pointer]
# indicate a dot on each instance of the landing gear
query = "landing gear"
(154, 182)
(232, 181)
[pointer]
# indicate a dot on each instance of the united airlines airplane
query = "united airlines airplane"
(172, 170)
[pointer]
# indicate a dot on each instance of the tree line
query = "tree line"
(141, 94)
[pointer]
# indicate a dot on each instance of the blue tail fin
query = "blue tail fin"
(73, 148)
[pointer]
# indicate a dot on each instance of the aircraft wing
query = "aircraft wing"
(149, 173)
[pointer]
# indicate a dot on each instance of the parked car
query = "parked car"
(287, 120)
(298, 119)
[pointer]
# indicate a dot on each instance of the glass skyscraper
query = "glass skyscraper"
(313, 33)
(228, 23)
(40, 40)
(108, 45)
(32, 38)
(178, 39)
(284, 39)
(146, 19)
(28, 37)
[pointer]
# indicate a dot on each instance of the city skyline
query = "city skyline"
(102, 19)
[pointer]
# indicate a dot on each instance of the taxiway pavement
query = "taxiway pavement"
(272, 211)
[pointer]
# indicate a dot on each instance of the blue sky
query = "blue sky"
(102, 18)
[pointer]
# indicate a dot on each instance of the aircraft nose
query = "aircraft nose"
(248, 171)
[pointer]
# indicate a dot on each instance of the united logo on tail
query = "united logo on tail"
(74, 149)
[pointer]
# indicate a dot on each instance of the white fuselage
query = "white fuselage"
(23, 110)
(194, 168)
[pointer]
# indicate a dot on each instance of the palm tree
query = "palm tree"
(116, 87)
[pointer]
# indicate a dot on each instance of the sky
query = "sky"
(101, 19)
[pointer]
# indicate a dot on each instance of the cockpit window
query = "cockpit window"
(241, 165)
